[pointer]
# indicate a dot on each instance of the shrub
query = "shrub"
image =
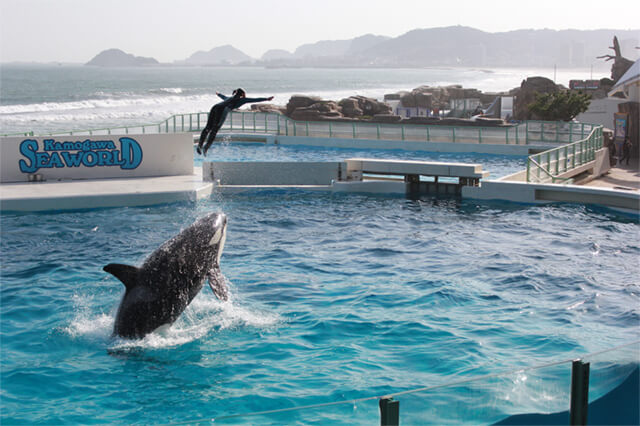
(564, 105)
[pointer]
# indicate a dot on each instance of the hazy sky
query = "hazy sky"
(168, 30)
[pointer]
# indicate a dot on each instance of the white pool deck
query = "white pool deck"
(100, 193)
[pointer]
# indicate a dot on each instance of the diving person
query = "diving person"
(219, 113)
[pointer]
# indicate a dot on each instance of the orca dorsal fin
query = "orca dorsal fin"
(126, 273)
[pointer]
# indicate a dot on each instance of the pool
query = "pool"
(497, 165)
(334, 297)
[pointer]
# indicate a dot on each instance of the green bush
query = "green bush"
(564, 105)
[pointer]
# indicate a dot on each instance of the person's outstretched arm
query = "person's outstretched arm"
(252, 100)
(221, 96)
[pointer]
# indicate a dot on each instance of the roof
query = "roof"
(632, 76)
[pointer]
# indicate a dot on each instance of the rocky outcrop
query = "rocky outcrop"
(118, 58)
(359, 106)
(323, 110)
(271, 108)
(313, 108)
(526, 94)
(300, 101)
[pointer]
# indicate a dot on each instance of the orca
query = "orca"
(157, 292)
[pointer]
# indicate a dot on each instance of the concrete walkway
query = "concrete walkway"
(98, 193)
(621, 176)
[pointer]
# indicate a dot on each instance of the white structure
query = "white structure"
(42, 158)
(601, 112)
(629, 83)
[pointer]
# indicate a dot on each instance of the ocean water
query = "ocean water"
(333, 298)
(43, 98)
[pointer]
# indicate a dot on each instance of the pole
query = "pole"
(389, 412)
(579, 393)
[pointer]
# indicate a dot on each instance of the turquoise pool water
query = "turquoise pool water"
(497, 165)
(333, 298)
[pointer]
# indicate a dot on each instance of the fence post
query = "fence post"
(453, 134)
(354, 130)
(479, 134)
(528, 169)
(389, 412)
(579, 393)
(428, 136)
(378, 129)
(570, 131)
(307, 125)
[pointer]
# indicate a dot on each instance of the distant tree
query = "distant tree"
(564, 105)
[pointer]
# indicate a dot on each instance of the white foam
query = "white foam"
(86, 322)
(204, 315)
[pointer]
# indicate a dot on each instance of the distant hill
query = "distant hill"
(118, 58)
(223, 55)
(445, 46)
(336, 48)
(276, 55)
(466, 46)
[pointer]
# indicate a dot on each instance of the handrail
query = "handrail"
(525, 133)
(546, 172)
(564, 158)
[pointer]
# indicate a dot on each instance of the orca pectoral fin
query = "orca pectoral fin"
(218, 284)
(126, 273)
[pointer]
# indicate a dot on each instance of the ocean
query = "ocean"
(44, 98)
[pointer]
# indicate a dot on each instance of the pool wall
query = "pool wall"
(407, 145)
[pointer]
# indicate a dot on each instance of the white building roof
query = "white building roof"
(630, 78)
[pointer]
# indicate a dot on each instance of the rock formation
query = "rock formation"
(527, 92)
(359, 106)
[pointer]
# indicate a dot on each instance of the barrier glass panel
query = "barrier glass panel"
(492, 399)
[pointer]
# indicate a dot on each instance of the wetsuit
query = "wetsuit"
(218, 114)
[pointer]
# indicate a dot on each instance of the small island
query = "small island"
(118, 58)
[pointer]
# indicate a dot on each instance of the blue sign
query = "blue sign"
(86, 153)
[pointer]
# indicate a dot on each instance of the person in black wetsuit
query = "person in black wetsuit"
(219, 113)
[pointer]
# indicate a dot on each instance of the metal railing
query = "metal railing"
(550, 165)
(530, 132)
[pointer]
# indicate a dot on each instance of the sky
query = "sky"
(168, 30)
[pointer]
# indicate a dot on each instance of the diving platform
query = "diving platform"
(421, 177)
